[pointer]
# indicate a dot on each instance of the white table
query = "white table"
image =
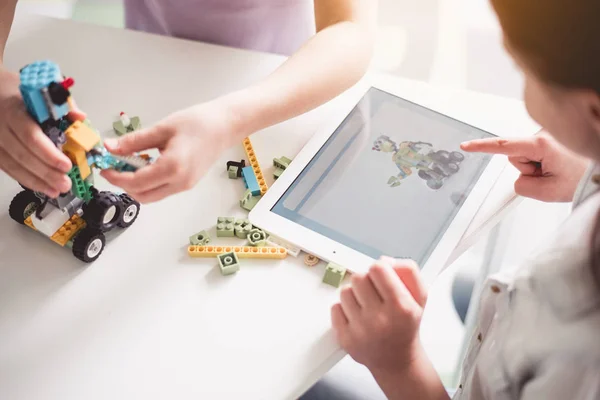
(145, 321)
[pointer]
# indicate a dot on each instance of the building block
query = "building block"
(250, 181)
(80, 187)
(242, 228)
(82, 135)
(200, 239)
(66, 232)
(277, 173)
(248, 201)
(282, 162)
(311, 260)
(241, 251)
(36, 79)
(228, 263)
(51, 222)
(225, 227)
(278, 242)
(78, 157)
(334, 274)
(257, 237)
(240, 165)
(233, 172)
(255, 166)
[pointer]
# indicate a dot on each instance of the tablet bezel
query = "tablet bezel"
(332, 251)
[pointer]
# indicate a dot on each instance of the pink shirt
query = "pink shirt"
(276, 26)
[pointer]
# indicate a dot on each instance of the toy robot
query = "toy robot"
(433, 166)
(79, 218)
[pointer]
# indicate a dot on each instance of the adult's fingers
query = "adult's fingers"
(523, 147)
(23, 176)
(39, 145)
(365, 291)
(29, 161)
(349, 304)
(137, 141)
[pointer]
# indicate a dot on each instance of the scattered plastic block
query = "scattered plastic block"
(200, 239)
(255, 166)
(311, 260)
(248, 201)
(250, 181)
(228, 263)
(242, 228)
(277, 173)
(233, 172)
(257, 237)
(126, 125)
(334, 274)
(241, 251)
(282, 162)
(225, 227)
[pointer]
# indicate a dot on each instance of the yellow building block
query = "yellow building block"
(68, 230)
(240, 251)
(82, 135)
(29, 223)
(255, 166)
(77, 155)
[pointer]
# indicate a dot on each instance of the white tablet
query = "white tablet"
(385, 177)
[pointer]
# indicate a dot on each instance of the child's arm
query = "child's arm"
(191, 140)
(377, 323)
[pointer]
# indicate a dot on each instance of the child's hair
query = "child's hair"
(559, 41)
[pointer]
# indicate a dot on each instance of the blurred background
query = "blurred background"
(455, 43)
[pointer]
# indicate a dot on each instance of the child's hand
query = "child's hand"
(189, 141)
(549, 171)
(26, 153)
(377, 321)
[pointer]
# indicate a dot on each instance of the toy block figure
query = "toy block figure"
(334, 274)
(242, 228)
(200, 239)
(238, 166)
(228, 263)
(225, 227)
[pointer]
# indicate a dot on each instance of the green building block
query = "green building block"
(334, 274)
(233, 172)
(248, 201)
(121, 129)
(242, 228)
(200, 239)
(257, 237)
(282, 162)
(79, 187)
(228, 263)
(225, 227)
(277, 173)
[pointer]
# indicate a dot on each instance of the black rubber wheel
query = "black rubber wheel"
(453, 168)
(88, 244)
(131, 210)
(23, 205)
(456, 157)
(435, 185)
(424, 175)
(104, 211)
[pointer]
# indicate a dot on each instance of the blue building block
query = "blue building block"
(34, 78)
(250, 181)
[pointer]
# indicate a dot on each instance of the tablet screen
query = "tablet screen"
(389, 180)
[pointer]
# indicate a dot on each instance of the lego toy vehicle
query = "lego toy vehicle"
(79, 218)
(432, 166)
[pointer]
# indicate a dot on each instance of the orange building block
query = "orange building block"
(240, 251)
(68, 230)
(255, 166)
(78, 158)
(82, 135)
(29, 223)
